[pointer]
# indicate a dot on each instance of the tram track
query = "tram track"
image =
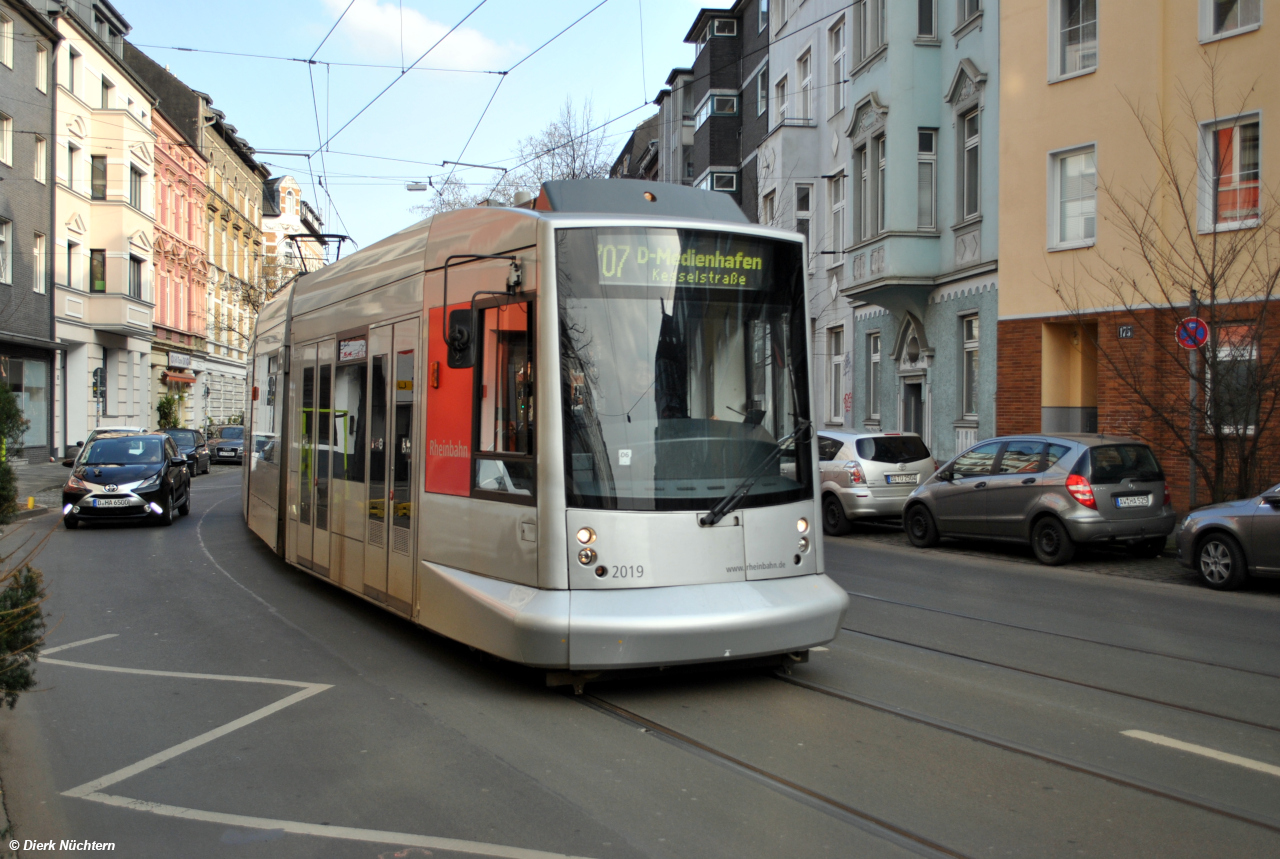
(1006, 624)
(867, 822)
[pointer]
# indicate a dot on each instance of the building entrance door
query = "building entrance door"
(913, 406)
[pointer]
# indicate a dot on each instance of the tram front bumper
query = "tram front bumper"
(583, 630)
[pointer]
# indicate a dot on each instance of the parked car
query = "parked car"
(78, 446)
(192, 444)
(1053, 492)
(1227, 542)
(868, 475)
(127, 476)
(228, 445)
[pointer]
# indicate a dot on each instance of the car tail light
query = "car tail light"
(855, 472)
(1081, 491)
(1168, 497)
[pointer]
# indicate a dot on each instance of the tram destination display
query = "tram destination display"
(669, 257)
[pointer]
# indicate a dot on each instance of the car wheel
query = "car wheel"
(921, 529)
(1051, 542)
(185, 507)
(834, 522)
(166, 512)
(70, 522)
(208, 464)
(1221, 563)
(1148, 548)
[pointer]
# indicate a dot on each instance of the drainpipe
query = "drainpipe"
(52, 267)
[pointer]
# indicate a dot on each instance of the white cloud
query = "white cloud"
(373, 31)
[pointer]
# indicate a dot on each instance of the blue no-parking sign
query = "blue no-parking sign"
(1192, 333)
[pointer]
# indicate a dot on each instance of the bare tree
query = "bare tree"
(570, 147)
(1202, 229)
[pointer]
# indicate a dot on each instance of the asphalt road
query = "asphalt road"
(218, 702)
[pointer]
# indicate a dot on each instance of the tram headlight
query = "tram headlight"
(802, 525)
(586, 536)
(804, 544)
(587, 557)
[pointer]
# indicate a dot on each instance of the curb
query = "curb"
(31, 513)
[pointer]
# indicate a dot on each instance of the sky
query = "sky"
(615, 60)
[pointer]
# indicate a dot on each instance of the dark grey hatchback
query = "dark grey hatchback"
(1053, 492)
(1226, 543)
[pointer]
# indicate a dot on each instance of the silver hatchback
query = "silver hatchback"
(1053, 492)
(868, 475)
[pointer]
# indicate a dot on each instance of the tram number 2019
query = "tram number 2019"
(625, 572)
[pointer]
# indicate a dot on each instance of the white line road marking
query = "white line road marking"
(90, 790)
(47, 651)
(1248, 763)
(343, 832)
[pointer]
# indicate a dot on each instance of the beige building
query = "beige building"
(286, 214)
(104, 223)
(234, 236)
(1085, 88)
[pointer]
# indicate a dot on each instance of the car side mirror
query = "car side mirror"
(67, 463)
(180, 461)
(1273, 500)
(461, 338)
(946, 475)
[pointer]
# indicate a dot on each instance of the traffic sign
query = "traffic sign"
(1192, 333)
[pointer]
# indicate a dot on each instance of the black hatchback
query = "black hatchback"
(133, 476)
(192, 445)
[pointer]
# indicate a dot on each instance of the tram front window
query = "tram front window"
(683, 366)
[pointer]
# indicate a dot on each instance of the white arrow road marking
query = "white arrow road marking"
(90, 790)
(1205, 751)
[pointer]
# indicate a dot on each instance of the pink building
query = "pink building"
(181, 269)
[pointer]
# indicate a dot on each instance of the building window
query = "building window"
(967, 9)
(724, 181)
(836, 194)
(73, 69)
(98, 177)
(926, 180)
(762, 91)
(135, 187)
(870, 28)
(926, 26)
(1075, 176)
(6, 139)
(1230, 173)
(835, 354)
(1226, 17)
(42, 68)
(804, 211)
(861, 194)
(38, 268)
(969, 164)
(764, 15)
(969, 384)
(6, 40)
(42, 160)
(724, 105)
(882, 23)
(804, 71)
(725, 27)
(688, 169)
(6, 252)
(97, 271)
(135, 277)
(882, 183)
(780, 99)
(108, 98)
(73, 255)
(836, 40)
(873, 375)
(1076, 34)
(768, 208)
(1234, 393)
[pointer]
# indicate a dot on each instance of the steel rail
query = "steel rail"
(865, 821)
(1047, 757)
(1057, 679)
(1064, 635)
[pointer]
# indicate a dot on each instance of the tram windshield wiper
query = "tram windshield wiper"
(730, 502)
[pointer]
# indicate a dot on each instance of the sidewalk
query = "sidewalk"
(42, 481)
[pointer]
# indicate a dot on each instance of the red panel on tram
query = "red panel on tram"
(449, 407)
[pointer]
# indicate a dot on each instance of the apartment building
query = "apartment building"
(104, 226)
(286, 214)
(918, 199)
(640, 157)
(675, 132)
(28, 349)
(1086, 324)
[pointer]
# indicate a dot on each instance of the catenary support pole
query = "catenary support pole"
(1195, 435)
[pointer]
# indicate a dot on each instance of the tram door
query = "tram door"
(314, 419)
(388, 567)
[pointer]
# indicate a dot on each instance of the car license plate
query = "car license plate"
(111, 502)
(902, 478)
(1133, 501)
(222, 451)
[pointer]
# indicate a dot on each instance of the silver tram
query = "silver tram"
(574, 436)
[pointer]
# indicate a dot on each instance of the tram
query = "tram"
(575, 436)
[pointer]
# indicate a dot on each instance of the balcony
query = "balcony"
(113, 312)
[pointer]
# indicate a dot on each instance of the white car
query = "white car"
(869, 475)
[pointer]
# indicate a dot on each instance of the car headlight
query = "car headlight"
(76, 483)
(150, 483)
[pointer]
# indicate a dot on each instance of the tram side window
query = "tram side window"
(324, 422)
(378, 439)
(402, 453)
(306, 436)
(349, 423)
(504, 453)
